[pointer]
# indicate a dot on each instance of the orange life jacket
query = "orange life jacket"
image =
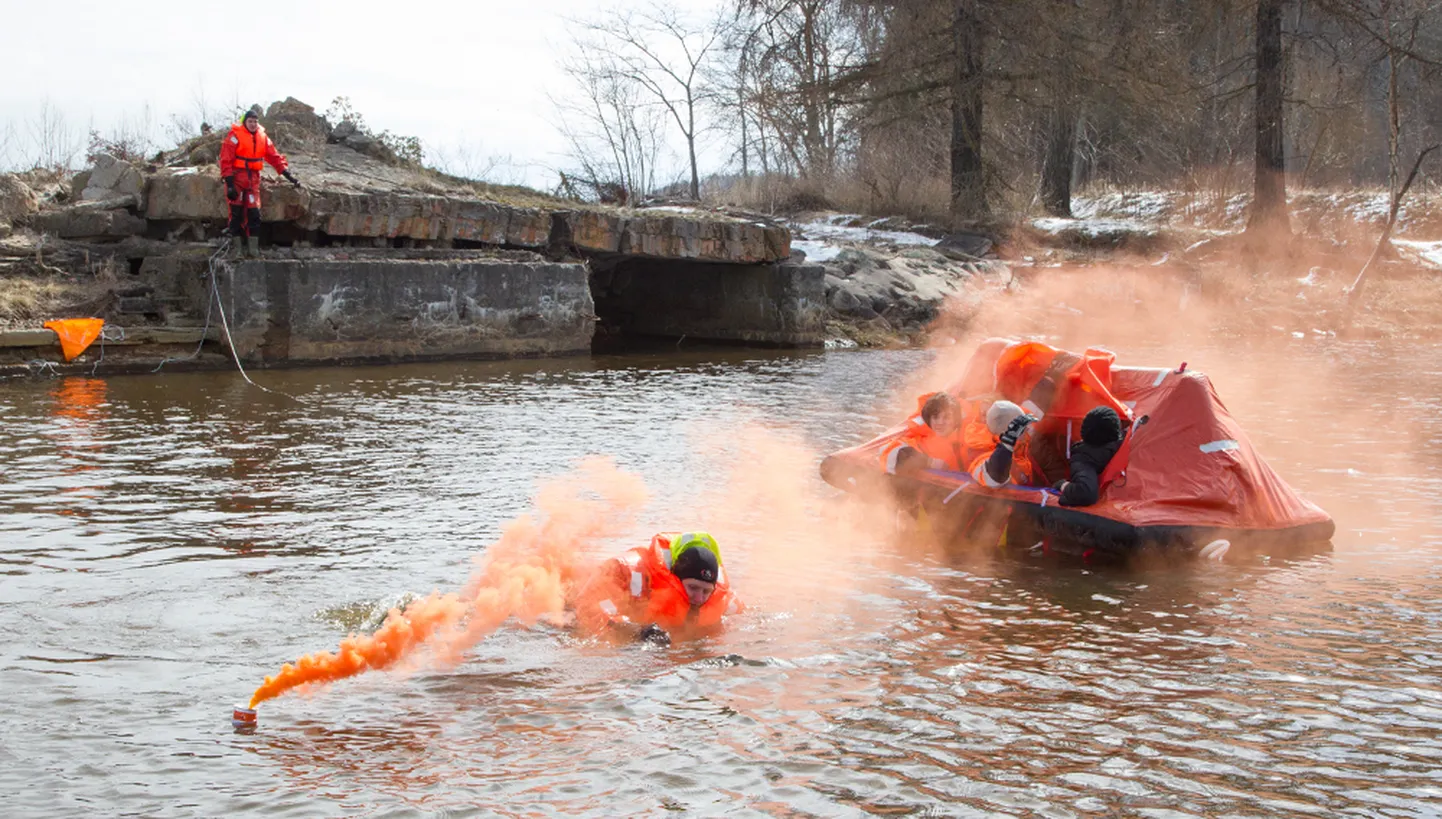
(243, 155)
(954, 450)
(638, 587)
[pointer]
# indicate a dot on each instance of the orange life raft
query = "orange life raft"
(1185, 476)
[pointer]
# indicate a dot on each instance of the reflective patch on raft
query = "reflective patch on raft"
(608, 607)
(76, 335)
(1220, 446)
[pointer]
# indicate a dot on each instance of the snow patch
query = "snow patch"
(1093, 226)
(837, 232)
(816, 251)
(1431, 251)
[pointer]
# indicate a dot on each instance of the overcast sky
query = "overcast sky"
(456, 74)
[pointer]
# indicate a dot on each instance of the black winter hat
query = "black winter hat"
(1101, 426)
(696, 563)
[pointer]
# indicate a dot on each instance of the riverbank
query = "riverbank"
(424, 266)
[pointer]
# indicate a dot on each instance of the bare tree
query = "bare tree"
(665, 56)
(54, 145)
(614, 139)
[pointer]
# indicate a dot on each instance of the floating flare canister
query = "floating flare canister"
(242, 719)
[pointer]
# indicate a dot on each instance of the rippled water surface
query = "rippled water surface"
(167, 541)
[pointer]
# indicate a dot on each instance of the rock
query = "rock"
(680, 237)
(595, 230)
(342, 132)
(88, 223)
(359, 142)
(299, 121)
(187, 194)
(843, 300)
(5, 230)
(17, 201)
(110, 178)
(964, 246)
(880, 304)
(528, 227)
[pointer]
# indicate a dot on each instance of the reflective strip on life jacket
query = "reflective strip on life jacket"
(637, 583)
(609, 607)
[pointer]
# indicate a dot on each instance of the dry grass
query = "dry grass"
(28, 302)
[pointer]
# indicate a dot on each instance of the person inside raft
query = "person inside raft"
(1101, 437)
(674, 584)
(940, 436)
(1009, 462)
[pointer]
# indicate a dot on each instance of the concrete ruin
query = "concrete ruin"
(377, 260)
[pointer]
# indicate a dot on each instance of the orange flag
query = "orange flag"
(76, 335)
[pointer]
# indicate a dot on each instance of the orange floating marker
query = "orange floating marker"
(76, 335)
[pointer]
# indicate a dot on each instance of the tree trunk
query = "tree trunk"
(691, 145)
(1056, 167)
(1269, 198)
(968, 191)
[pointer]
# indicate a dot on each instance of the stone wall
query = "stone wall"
(781, 304)
(196, 195)
(290, 311)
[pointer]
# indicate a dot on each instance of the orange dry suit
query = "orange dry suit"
(242, 157)
(639, 588)
(954, 451)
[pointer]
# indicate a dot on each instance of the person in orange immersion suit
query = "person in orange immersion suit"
(944, 434)
(243, 154)
(675, 584)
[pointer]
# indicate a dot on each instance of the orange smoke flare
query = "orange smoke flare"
(525, 575)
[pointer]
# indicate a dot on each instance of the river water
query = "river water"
(167, 541)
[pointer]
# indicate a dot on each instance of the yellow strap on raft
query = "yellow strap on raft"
(76, 335)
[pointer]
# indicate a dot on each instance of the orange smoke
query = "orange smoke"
(526, 575)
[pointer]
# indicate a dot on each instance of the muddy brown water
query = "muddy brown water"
(167, 541)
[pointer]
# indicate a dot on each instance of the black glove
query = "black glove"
(290, 176)
(1015, 429)
(231, 191)
(653, 634)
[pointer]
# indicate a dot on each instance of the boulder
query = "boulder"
(17, 201)
(964, 246)
(110, 178)
(299, 121)
(343, 131)
(186, 194)
(89, 223)
(5, 230)
(843, 300)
